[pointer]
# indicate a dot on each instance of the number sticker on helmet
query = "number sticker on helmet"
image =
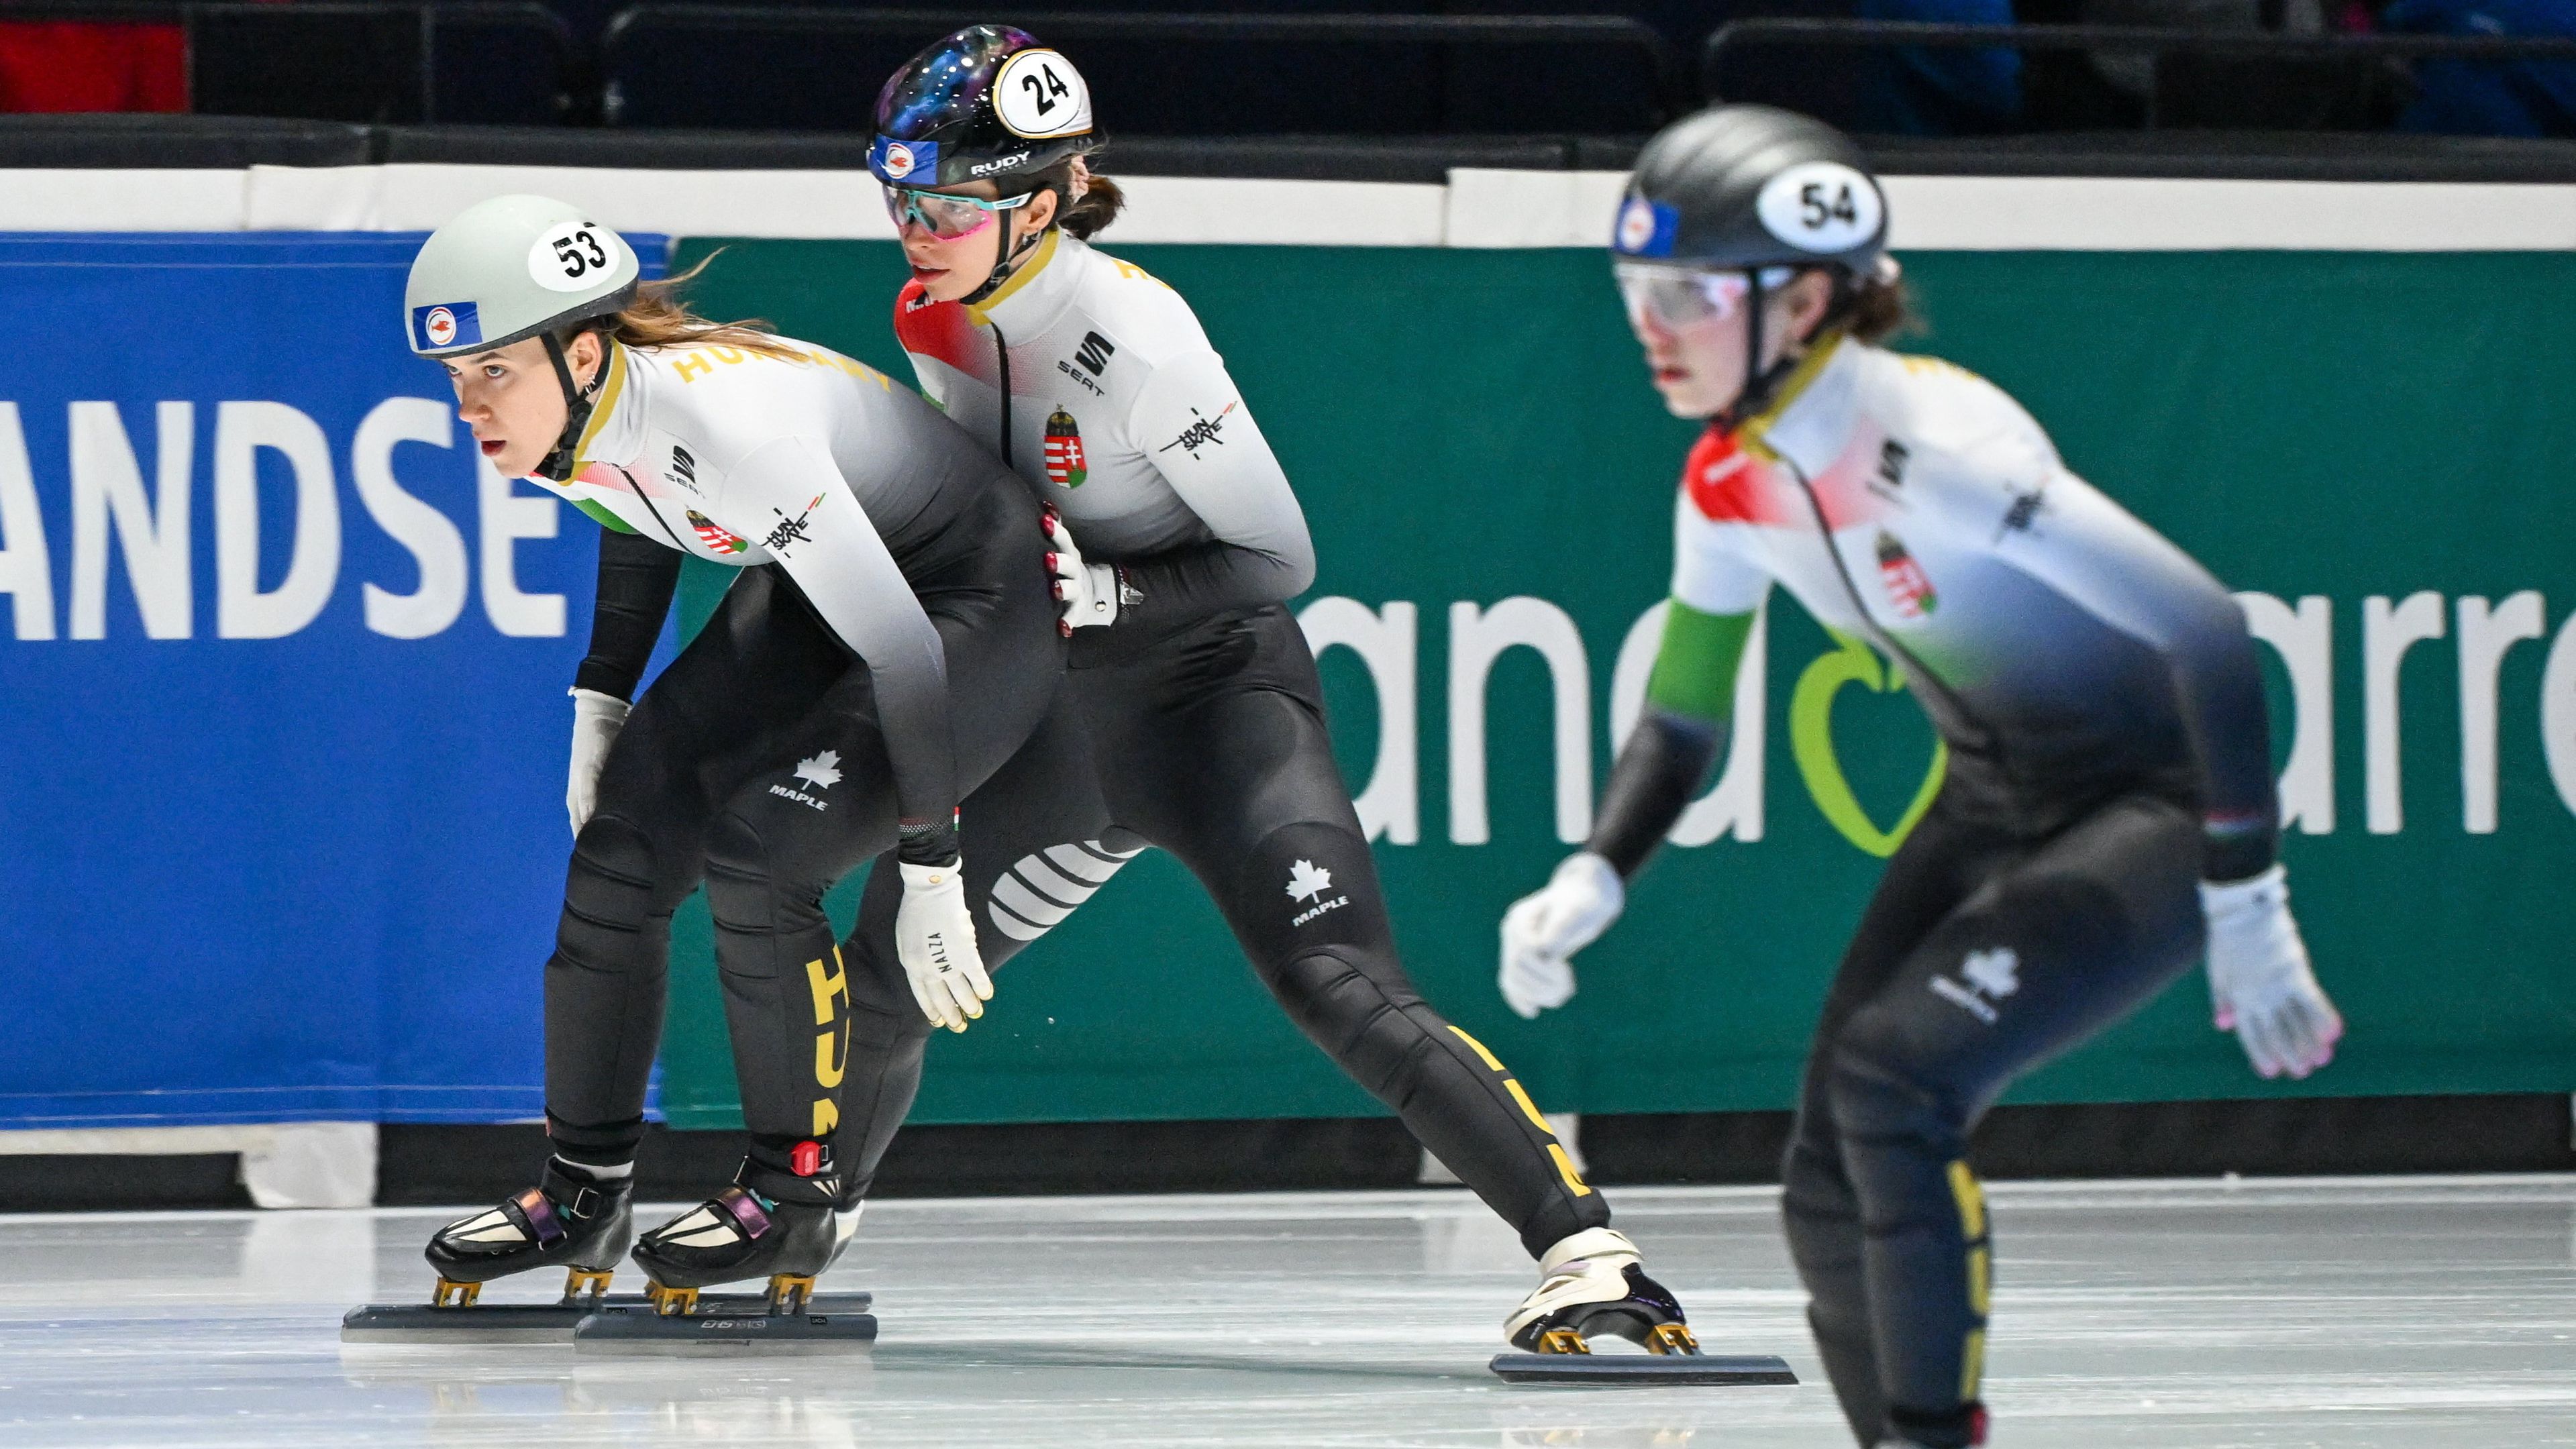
(573, 256)
(1821, 206)
(1040, 96)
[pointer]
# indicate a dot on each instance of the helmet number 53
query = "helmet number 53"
(579, 253)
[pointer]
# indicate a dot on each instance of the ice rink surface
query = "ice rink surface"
(2385, 1313)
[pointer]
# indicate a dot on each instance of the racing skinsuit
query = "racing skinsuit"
(2102, 709)
(1194, 723)
(889, 643)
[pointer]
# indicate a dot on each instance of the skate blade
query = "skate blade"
(728, 1324)
(1641, 1368)
(400, 1323)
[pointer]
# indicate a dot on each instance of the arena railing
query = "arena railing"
(653, 23)
(241, 51)
(2156, 42)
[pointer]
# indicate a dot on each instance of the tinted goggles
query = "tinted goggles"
(944, 214)
(1687, 296)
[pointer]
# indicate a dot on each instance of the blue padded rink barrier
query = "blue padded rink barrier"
(2290, 1314)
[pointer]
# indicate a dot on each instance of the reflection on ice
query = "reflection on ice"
(2425, 1313)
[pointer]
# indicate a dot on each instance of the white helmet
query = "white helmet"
(512, 268)
(517, 267)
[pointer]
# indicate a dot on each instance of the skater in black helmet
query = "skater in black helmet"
(889, 641)
(2108, 814)
(1194, 720)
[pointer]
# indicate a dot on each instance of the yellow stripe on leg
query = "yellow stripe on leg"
(1565, 1169)
(1479, 1049)
(1972, 1201)
(1537, 1119)
(1981, 1279)
(1972, 1369)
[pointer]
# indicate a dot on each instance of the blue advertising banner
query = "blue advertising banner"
(282, 673)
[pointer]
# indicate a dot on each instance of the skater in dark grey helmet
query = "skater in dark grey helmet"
(2108, 814)
(890, 640)
(1192, 718)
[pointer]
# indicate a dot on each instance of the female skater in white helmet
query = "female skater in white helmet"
(889, 642)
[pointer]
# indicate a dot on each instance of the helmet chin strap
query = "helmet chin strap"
(578, 403)
(1006, 259)
(1760, 382)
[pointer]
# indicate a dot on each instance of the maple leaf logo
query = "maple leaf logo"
(1997, 973)
(1306, 880)
(823, 771)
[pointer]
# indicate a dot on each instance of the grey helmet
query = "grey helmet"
(1753, 186)
(1763, 191)
(516, 267)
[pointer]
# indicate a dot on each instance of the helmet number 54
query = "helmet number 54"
(1815, 210)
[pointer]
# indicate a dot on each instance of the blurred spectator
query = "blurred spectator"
(1941, 92)
(84, 66)
(2487, 98)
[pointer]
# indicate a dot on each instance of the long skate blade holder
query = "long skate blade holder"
(790, 1318)
(448, 1293)
(1642, 1369)
(555, 1322)
(1672, 1356)
(587, 1288)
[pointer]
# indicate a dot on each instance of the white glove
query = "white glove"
(596, 719)
(1543, 929)
(934, 937)
(2260, 986)
(1089, 593)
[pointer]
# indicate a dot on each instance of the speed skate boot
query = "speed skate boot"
(787, 1227)
(568, 1218)
(1595, 1282)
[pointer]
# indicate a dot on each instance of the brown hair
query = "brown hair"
(1089, 214)
(658, 318)
(1875, 309)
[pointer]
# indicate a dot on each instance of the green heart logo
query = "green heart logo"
(1811, 739)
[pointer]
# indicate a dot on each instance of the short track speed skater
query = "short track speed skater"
(1595, 1283)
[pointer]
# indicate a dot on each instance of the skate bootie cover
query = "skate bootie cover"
(779, 1225)
(564, 1221)
(1595, 1282)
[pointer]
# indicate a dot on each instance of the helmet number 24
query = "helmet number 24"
(1045, 88)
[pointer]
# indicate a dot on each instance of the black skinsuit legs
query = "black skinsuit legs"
(1985, 952)
(1211, 744)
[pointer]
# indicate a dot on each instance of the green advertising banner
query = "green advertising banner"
(2371, 446)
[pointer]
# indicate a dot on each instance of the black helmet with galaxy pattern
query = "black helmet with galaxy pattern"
(986, 104)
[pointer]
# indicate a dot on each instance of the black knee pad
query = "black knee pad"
(753, 888)
(1897, 1132)
(1818, 1213)
(614, 887)
(1338, 996)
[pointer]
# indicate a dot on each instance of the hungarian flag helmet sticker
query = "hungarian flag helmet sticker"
(1064, 464)
(1909, 588)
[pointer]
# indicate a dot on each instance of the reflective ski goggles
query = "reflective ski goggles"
(947, 215)
(1687, 296)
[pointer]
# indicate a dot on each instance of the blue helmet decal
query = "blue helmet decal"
(1645, 229)
(444, 325)
(914, 163)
